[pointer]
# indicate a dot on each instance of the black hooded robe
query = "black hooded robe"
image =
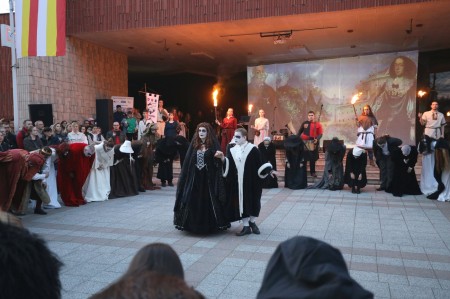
(200, 197)
(306, 268)
(357, 166)
(123, 175)
(295, 176)
(404, 182)
(268, 156)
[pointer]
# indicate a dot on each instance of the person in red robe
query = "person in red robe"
(73, 170)
(228, 125)
(12, 167)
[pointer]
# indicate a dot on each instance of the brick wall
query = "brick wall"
(73, 82)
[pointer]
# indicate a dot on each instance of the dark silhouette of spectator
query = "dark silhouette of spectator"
(303, 267)
(28, 268)
(145, 284)
(157, 257)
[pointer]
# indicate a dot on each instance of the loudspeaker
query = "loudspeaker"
(42, 112)
(104, 114)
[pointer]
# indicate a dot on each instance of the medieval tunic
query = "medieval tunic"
(52, 188)
(12, 168)
(366, 131)
(433, 124)
(268, 156)
(201, 197)
(228, 126)
(97, 186)
(244, 185)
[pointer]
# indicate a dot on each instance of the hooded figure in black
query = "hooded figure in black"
(123, 172)
(200, 198)
(441, 167)
(355, 169)
(268, 151)
(295, 171)
(405, 181)
(166, 151)
(333, 173)
(306, 268)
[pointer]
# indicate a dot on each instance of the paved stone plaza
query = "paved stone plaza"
(395, 247)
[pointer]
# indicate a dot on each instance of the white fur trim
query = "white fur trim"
(227, 167)
(264, 166)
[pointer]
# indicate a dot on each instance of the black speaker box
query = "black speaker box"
(104, 114)
(43, 112)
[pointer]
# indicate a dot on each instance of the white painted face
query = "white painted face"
(239, 139)
(202, 132)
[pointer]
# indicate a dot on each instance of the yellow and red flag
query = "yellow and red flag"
(40, 27)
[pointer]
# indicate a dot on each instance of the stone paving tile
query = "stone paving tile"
(394, 247)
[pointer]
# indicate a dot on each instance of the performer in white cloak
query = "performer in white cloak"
(51, 188)
(261, 128)
(428, 183)
(97, 185)
(244, 188)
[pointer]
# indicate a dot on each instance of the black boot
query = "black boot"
(255, 228)
(354, 186)
(358, 190)
(245, 231)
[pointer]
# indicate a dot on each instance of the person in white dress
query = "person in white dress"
(97, 185)
(51, 188)
(261, 128)
(428, 183)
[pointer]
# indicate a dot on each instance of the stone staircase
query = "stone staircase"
(372, 172)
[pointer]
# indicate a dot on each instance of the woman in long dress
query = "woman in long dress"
(261, 128)
(200, 198)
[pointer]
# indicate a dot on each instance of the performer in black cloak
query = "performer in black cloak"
(267, 150)
(200, 198)
(441, 165)
(166, 151)
(295, 171)
(138, 163)
(383, 147)
(333, 173)
(303, 267)
(123, 174)
(244, 188)
(182, 145)
(405, 181)
(355, 169)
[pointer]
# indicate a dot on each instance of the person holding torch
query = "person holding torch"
(228, 125)
(367, 125)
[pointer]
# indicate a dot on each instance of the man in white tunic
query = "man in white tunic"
(434, 121)
(97, 185)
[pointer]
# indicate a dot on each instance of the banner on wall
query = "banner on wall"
(152, 106)
(386, 82)
(127, 103)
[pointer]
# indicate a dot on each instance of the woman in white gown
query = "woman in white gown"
(261, 128)
(51, 188)
(97, 185)
(428, 183)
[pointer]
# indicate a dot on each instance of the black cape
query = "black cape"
(295, 176)
(333, 173)
(357, 166)
(404, 182)
(252, 187)
(200, 197)
(123, 175)
(268, 156)
(304, 267)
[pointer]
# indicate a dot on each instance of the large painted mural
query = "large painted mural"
(386, 82)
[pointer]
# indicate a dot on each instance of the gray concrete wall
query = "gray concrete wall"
(73, 82)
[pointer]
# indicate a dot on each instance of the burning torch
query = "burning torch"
(215, 93)
(354, 99)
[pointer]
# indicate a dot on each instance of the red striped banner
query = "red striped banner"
(40, 27)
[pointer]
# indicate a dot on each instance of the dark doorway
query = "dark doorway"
(42, 112)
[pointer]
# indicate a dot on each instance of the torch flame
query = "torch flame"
(214, 94)
(356, 97)
(250, 107)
